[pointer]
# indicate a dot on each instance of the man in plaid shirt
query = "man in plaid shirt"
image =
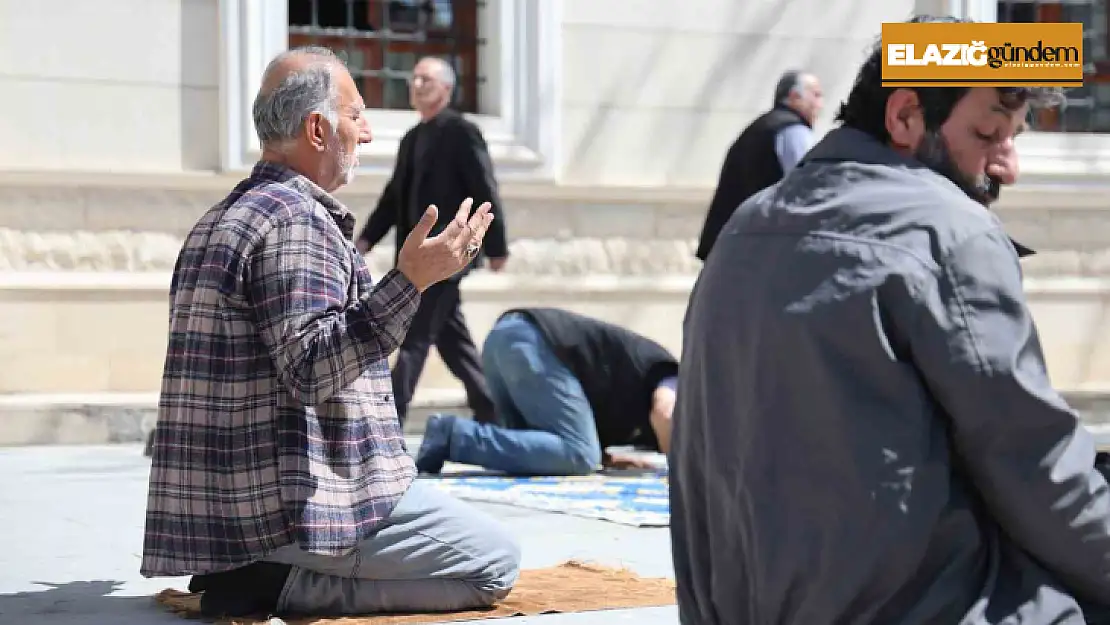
(280, 478)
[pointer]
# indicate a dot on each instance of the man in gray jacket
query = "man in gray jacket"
(865, 432)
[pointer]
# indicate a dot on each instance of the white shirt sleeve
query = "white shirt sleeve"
(791, 144)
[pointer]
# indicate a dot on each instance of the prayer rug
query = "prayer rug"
(636, 500)
(570, 587)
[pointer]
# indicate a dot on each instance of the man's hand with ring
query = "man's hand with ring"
(426, 260)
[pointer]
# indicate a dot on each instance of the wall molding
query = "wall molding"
(61, 259)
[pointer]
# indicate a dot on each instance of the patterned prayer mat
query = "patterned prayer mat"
(639, 501)
(570, 587)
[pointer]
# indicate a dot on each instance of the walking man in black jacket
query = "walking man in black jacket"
(442, 160)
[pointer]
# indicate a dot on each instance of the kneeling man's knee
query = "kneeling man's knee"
(502, 568)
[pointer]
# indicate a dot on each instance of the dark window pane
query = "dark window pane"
(300, 12)
(443, 15)
(381, 40)
(396, 94)
(1087, 108)
(406, 15)
(333, 13)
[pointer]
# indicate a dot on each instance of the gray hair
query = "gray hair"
(446, 71)
(280, 112)
(789, 82)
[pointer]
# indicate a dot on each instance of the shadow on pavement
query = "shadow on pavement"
(79, 602)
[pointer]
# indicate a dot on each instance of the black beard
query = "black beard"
(934, 154)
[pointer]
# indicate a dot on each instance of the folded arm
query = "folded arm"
(1025, 450)
(298, 285)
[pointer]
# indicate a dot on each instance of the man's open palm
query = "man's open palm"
(426, 260)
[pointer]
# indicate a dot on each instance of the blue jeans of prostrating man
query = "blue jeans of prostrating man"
(547, 426)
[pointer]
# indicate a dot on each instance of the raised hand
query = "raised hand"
(426, 260)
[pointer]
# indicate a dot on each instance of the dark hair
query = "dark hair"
(865, 108)
(787, 83)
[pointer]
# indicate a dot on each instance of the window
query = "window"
(1087, 108)
(506, 52)
(381, 40)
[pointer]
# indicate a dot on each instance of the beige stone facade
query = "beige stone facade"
(608, 123)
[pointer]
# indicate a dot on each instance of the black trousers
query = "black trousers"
(439, 321)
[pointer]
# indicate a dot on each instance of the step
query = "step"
(101, 418)
(128, 418)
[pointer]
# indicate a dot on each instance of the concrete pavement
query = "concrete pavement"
(72, 517)
(114, 418)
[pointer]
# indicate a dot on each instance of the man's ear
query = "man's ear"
(316, 131)
(905, 121)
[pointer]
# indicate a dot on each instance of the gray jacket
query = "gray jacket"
(865, 430)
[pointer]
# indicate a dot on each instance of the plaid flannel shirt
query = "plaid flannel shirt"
(276, 422)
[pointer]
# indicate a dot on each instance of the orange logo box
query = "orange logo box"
(937, 54)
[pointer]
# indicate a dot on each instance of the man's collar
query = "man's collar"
(440, 116)
(787, 109)
(277, 172)
(1022, 251)
(849, 144)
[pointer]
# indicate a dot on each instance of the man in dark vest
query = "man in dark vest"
(765, 151)
(566, 388)
(442, 160)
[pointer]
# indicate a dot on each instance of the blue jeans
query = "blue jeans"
(435, 553)
(547, 423)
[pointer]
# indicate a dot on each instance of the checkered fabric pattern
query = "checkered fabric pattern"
(276, 422)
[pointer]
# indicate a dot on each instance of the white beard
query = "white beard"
(347, 162)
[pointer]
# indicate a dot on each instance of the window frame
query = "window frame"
(521, 64)
(1046, 156)
(467, 92)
